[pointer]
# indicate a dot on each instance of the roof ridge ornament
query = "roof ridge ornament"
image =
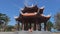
(30, 3)
(42, 7)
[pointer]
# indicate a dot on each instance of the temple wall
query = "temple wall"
(26, 32)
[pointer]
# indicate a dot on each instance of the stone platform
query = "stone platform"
(27, 32)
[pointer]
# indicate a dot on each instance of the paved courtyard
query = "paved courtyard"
(27, 32)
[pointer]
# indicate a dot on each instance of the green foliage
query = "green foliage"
(57, 21)
(49, 25)
(9, 28)
(4, 19)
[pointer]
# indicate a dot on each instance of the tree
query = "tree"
(4, 19)
(9, 28)
(57, 21)
(49, 25)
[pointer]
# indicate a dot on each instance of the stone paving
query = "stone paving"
(27, 32)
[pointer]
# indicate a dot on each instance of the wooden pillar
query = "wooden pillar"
(34, 26)
(44, 26)
(39, 27)
(18, 27)
(30, 25)
(26, 26)
(22, 26)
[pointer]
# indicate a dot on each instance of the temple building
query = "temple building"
(32, 17)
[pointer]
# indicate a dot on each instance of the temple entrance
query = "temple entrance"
(32, 17)
(34, 26)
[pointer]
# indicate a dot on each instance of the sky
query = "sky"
(13, 7)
